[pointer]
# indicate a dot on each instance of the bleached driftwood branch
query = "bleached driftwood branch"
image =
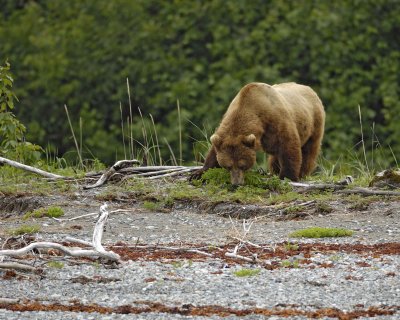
(110, 172)
(91, 215)
(98, 234)
(174, 173)
(98, 251)
(30, 169)
(306, 187)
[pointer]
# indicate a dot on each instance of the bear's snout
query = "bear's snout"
(237, 177)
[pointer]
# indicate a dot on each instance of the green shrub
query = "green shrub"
(12, 139)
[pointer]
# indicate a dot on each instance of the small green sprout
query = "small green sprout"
(55, 264)
(291, 246)
(290, 264)
(317, 232)
(247, 272)
(181, 264)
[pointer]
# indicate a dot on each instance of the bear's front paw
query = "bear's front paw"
(196, 175)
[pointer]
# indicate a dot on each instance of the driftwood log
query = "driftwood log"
(30, 169)
(97, 251)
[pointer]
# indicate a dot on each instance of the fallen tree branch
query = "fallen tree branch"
(369, 192)
(30, 169)
(17, 266)
(9, 301)
(237, 256)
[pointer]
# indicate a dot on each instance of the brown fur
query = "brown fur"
(285, 120)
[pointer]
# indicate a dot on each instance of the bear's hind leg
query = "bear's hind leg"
(309, 154)
(273, 164)
(291, 166)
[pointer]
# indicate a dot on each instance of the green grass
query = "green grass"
(323, 207)
(290, 264)
(220, 176)
(25, 229)
(152, 206)
(51, 212)
(317, 232)
(247, 272)
(55, 264)
(291, 246)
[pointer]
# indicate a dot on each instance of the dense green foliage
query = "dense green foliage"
(80, 53)
(12, 142)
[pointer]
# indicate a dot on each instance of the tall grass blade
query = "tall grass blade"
(131, 118)
(156, 137)
(80, 135)
(122, 129)
(73, 135)
(172, 152)
(180, 132)
(145, 140)
(362, 139)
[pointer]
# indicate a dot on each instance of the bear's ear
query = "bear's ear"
(249, 141)
(216, 140)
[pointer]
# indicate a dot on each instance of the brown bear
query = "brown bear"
(285, 120)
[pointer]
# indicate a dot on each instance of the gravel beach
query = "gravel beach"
(353, 277)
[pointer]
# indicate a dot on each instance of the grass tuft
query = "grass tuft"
(55, 264)
(247, 272)
(25, 229)
(317, 232)
(51, 212)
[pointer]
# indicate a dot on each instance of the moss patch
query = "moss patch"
(51, 212)
(317, 232)
(25, 229)
(220, 176)
(246, 272)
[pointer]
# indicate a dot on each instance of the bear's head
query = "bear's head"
(236, 154)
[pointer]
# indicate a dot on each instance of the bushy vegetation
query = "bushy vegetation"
(80, 53)
(12, 131)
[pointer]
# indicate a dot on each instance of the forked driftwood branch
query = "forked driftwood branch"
(98, 251)
(25, 167)
(110, 172)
